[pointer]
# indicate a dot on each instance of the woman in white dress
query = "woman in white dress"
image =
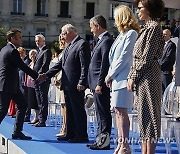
(120, 59)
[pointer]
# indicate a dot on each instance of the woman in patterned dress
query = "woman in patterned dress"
(120, 60)
(145, 75)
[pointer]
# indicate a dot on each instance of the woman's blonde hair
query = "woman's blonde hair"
(33, 51)
(125, 19)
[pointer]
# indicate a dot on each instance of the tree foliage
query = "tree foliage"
(55, 47)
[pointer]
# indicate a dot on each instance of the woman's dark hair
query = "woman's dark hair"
(154, 7)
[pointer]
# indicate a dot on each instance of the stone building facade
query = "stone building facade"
(48, 16)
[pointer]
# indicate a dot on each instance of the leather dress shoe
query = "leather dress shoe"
(33, 122)
(63, 138)
(78, 140)
(13, 116)
(60, 135)
(21, 136)
(177, 118)
(88, 145)
(95, 147)
(40, 124)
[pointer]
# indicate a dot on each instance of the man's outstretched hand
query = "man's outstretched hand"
(41, 78)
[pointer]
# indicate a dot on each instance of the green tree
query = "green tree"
(2, 37)
(55, 47)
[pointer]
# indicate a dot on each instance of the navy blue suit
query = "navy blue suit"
(74, 65)
(41, 65)
(98, 70)
(23, 88)
(10, 62)
(167, 61)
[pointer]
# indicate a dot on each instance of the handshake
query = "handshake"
(41, 78)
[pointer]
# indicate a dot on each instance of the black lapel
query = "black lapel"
(99, 42)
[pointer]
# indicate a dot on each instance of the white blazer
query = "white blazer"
(120, 58)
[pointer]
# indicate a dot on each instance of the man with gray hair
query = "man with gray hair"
(41, 65)
(74, 65)
(98, 70)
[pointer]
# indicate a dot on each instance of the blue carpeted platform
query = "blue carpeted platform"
(44, 142)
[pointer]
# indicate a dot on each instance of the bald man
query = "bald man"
(168, 59)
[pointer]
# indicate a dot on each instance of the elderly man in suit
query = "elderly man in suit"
(98, 70)
(168, 59)
(10, 61)
(74, 65)
(41, 65)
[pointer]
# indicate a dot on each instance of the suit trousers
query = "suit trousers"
(42, 99)
(103, 113)
(24, 91)
(21, 104)
(166, 80)
(76, 114)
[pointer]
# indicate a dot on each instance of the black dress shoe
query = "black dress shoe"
(33, 122)
(177, 118)
(88, 145)
(14, 116)
(63, 138)
(21, 136)
(95, 147)
(40, 124)
(78, 140)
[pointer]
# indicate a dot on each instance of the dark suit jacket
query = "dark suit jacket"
(10, 61)
(74, 66)
(168, 58)
(43, 60)
(21, 73)
(99, 63)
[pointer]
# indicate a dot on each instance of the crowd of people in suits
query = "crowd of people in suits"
(135, 61)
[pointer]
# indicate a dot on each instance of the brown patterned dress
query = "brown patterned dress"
(146, 74)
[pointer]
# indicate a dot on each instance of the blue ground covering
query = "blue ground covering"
(44, 141)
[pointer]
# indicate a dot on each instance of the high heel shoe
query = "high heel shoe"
(116, 151)
(125, 149)
(33, 121)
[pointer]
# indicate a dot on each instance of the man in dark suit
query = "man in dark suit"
(41, 65)
(74, 65)
(168, 59)
(22, 79)
(98, 70)
(10, 61)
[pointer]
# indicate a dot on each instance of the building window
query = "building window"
(89, 10)
(112, 7)
(17, 7)
(41, 8)
(64, 12)
(41, 31)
